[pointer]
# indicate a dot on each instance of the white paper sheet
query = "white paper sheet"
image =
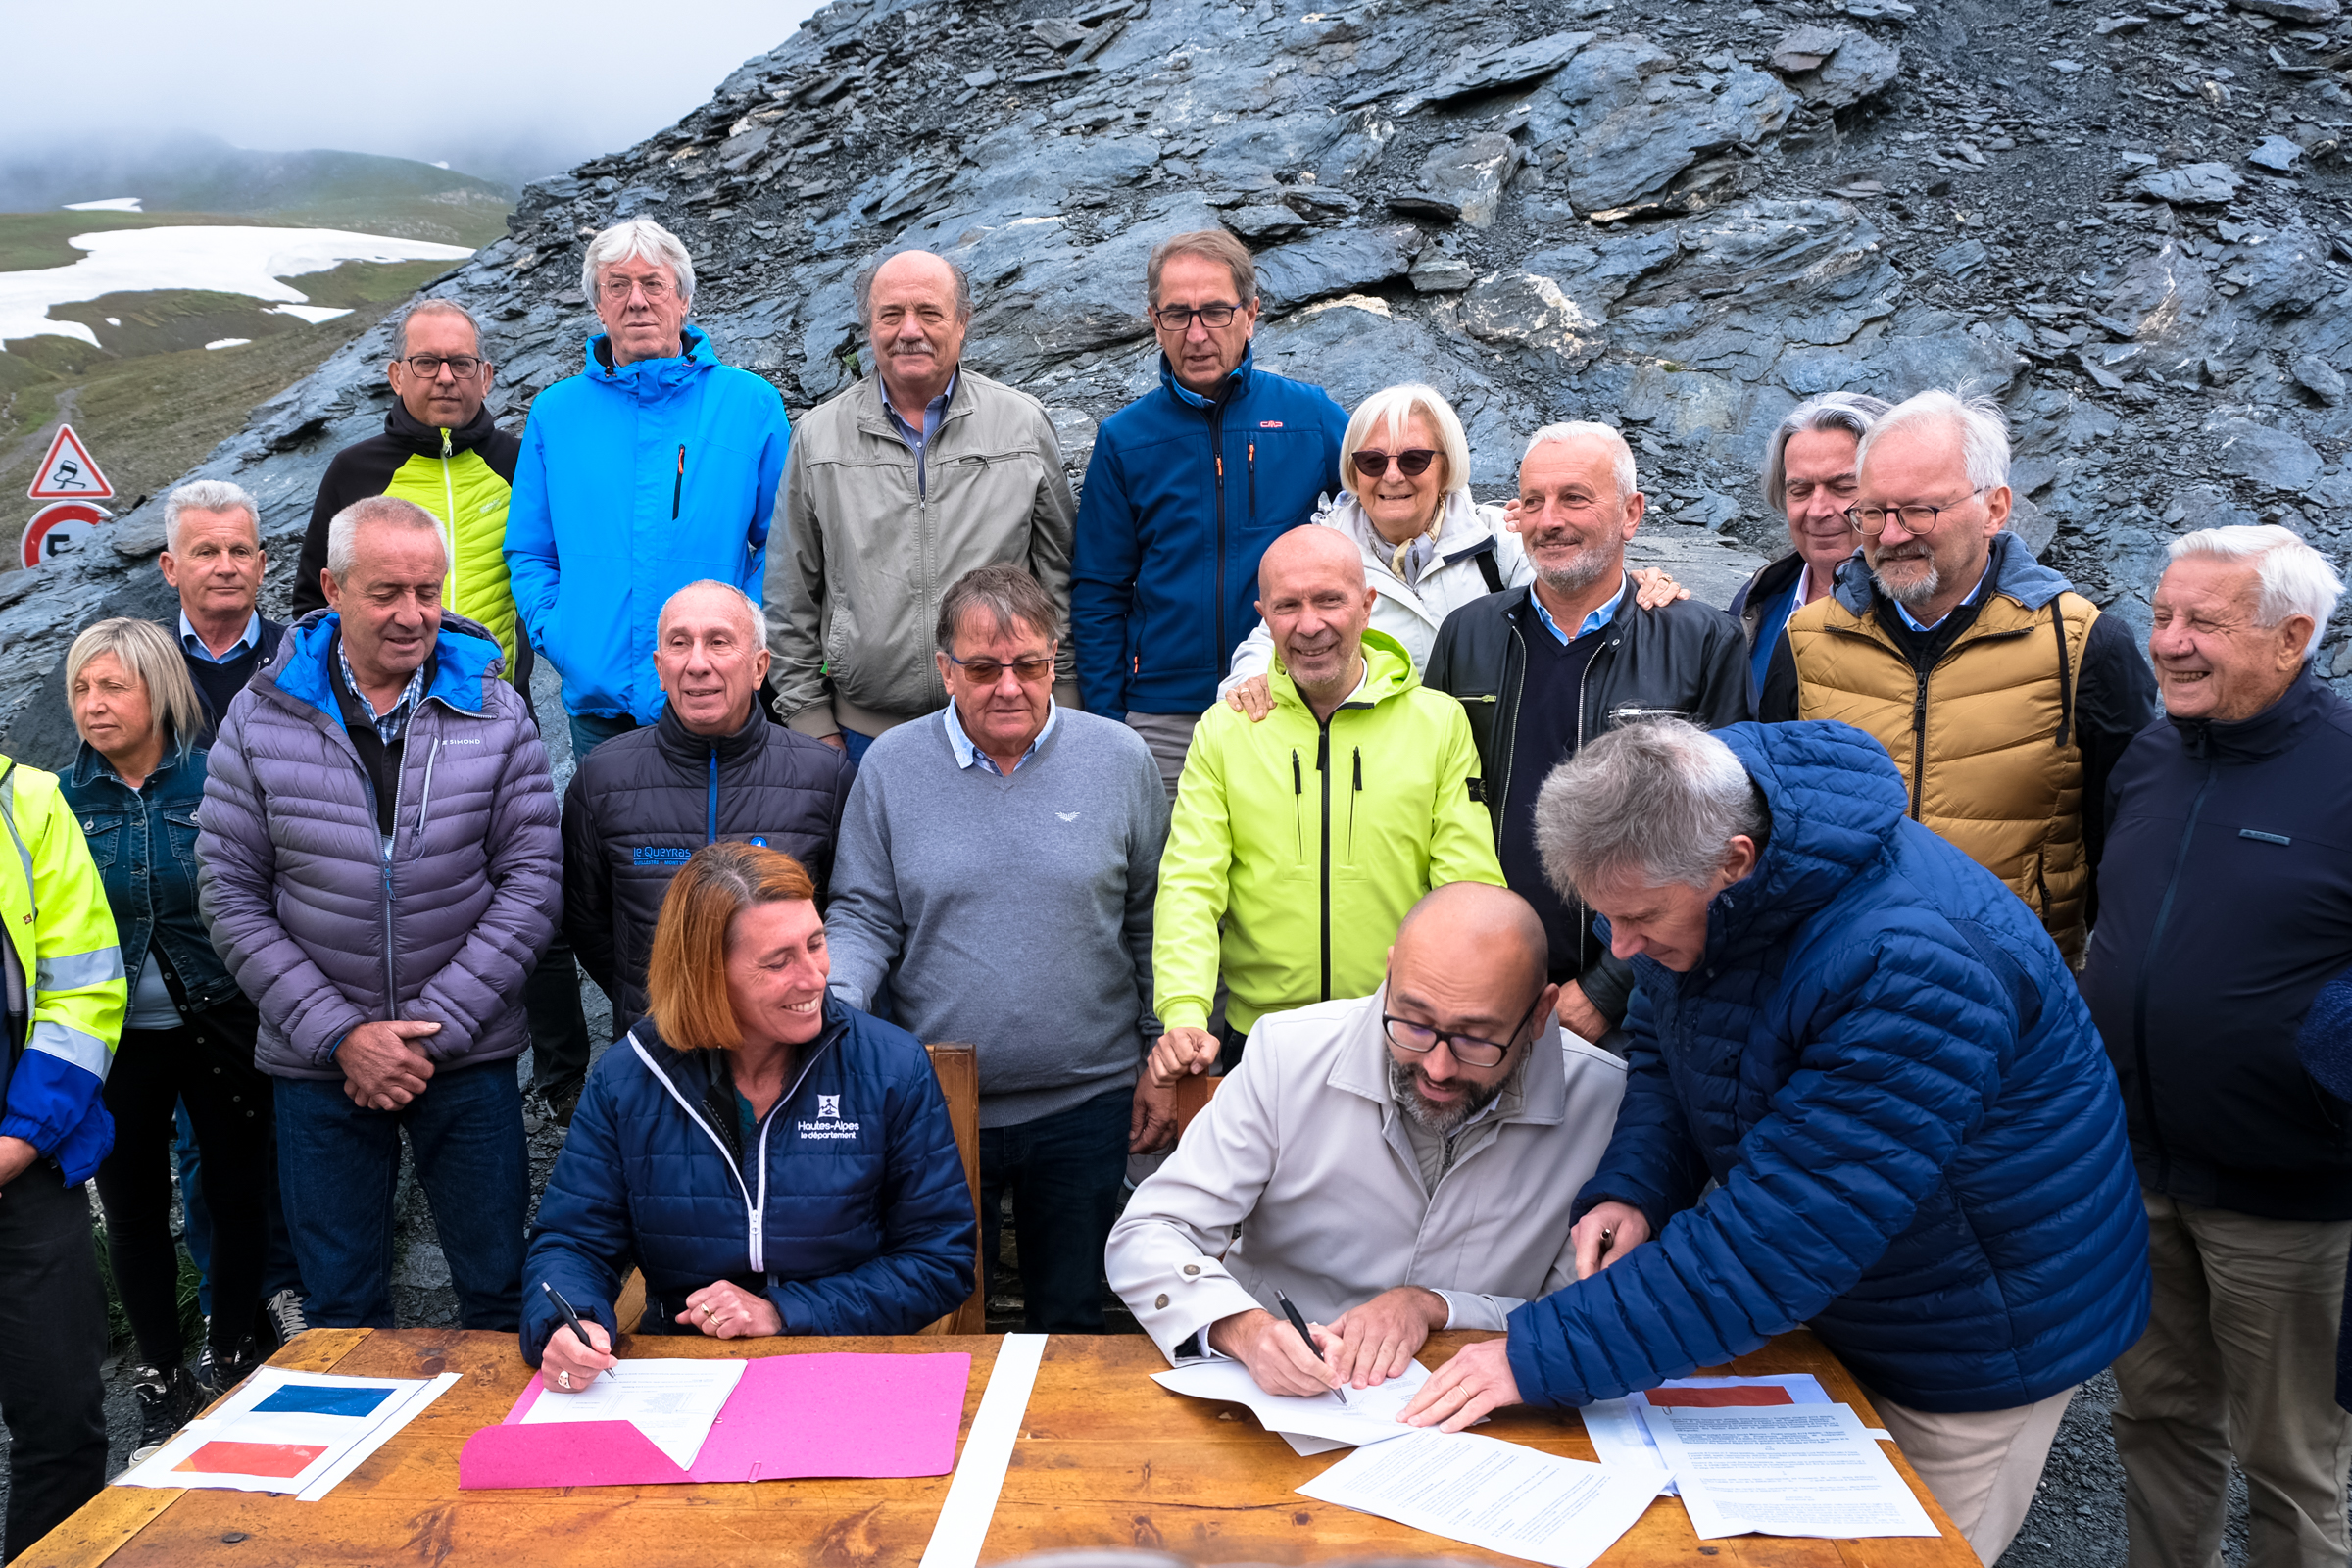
(1487, 1492)
(290, 1433)
(1785, 1470)
(1618, 1437)
(672, 1401)
(1311, 1424)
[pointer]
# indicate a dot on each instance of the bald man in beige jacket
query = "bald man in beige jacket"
(1387, 1185)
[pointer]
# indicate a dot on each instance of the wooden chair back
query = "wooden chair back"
(1193, 1095)
(957, 1066)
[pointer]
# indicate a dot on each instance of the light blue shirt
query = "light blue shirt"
(968, 755)
(1947, 614)
(1592, 622)
(251, 638)
(918, 442)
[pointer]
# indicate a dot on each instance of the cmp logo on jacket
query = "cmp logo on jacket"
(828, 1127)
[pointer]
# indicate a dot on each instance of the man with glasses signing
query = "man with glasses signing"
(1395, 1165)
(1185, 488)
(2004, 697)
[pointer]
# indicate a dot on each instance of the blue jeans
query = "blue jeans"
(1065, 1173)
(591, 730)
(279, 1272)
(342, 1165)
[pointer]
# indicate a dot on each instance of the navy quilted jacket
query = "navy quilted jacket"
(849, 1209)
(1885, 1063)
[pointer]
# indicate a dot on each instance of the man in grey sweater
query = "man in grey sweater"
(1004, 827)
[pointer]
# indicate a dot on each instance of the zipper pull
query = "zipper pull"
(677, 491)
(1298, 779)
(446, 448)
(1359, 769)
(1221, 467)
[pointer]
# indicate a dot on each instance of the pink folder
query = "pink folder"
(832, 1414)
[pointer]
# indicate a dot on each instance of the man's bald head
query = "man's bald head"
(1316, 603)
(1311, 551)
(708, 599)
(1474, 924)
(711, 654)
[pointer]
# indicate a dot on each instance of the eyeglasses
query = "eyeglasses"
(1468, 1050)
(428, 366)
(1917, 517)
(1412, 465)
(1179, 317)
(619, 289)
(988, 671)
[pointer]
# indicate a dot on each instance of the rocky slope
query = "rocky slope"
(1681, 214)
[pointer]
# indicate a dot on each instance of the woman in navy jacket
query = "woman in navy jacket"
(775, 1162)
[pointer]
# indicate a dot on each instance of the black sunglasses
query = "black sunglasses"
(1372, 465)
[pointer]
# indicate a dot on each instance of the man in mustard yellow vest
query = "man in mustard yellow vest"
(2003, 696)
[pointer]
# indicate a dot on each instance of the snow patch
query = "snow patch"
(227, 342)
(222, 261)
(109, 203)
(313, 314)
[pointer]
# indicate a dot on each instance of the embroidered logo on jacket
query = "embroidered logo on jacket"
(661, 855)
(828, 1127)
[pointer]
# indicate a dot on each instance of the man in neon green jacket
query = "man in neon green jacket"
(62, 972)
(1299, 843)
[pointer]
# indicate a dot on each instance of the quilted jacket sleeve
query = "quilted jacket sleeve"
(1905, 1036)
(477, 986)
(582, 1243)
(924, 1270)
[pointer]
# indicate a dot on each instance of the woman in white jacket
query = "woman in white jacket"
(1428, 547)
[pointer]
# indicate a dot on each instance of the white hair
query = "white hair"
(343, 529)
(2293, 579)
(1853, 412)
(1588, 430)
(1657, 799)
(1387, 409)
(1982, 428)
(754, 622)
(630, 238)
(208, 495)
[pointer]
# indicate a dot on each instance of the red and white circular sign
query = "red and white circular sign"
(60, 528)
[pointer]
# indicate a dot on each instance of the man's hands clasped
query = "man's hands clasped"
(383, 1069)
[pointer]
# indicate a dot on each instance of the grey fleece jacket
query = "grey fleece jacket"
(1014, 912)
(326, 925)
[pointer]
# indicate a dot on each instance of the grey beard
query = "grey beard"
(1583, 570)
(1918, 593)
(1444, 1119)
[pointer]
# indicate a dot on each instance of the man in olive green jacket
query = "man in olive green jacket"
(918, 473)
(1299, 843)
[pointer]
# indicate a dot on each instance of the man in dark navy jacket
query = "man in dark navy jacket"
(2226, 909)
(1185, 488)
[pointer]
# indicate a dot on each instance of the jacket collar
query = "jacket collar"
(691, 1069)
(683, 745)
(90, 766)
(424, 439)
(1362, 1068)
(2278, 728)
(2009, 571)
(468, 660)
(868, 394)
(1232, 389)
(652, 378)
(1388, 673)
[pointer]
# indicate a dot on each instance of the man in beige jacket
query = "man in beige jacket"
(918, 473)
(1397, 1164)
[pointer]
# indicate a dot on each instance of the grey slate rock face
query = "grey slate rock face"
(1468, 177)
(1339, 261)
(1484, 69)
(1834, 67)
(2304, 11)
(2192, 184)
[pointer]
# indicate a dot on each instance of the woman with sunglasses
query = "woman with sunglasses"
(1428, 547)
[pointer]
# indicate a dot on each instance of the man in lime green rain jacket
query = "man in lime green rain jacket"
(62, 972)
(1299, 843)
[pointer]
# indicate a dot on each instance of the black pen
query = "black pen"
(1292, 1313)
(571, 1321)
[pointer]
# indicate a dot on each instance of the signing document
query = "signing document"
(1783, 1470)
(1484, 1492)
(1309, 1423)
(671, 1402)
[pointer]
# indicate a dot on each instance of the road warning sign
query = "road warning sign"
(58, 529)
(66, 473)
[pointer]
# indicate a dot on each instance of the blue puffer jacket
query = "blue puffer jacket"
(1884, 1061)
(1183, 494)
(633, 481)
(856, 1220)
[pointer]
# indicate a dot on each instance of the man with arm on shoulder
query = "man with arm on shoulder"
(1397, 1165)
(1552, 665)
(922, 471)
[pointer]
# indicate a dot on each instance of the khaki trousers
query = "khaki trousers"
(1170, 737)
(2239, 1360)
(1981, 1465)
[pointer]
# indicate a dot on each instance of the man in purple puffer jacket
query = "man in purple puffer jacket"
(379, 864)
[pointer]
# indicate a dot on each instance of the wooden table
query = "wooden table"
(1105, 1460)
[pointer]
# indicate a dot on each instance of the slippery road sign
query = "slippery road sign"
(66, 473)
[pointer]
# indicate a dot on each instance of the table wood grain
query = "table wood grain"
(1105, 1460)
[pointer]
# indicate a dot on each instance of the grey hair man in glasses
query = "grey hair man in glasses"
(1395, 1165)
(2004, 697)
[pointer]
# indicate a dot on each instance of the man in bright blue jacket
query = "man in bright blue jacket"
(654, 468)
(1879, 1054)
(1185, 488)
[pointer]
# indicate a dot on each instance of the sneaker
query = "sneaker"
(217, 1372)
(166, 1401)
(284, 1314)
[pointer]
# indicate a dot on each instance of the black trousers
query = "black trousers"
(52, 1342)
(229, 1105)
